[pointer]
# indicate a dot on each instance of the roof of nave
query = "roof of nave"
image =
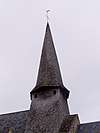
(13, 121)
(93, 127)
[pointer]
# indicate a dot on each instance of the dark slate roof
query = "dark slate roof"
(93, 127)
(49, 74)
(14, 121)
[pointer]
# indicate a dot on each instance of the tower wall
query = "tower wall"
(47, 112)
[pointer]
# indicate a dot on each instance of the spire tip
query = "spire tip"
(47, 15)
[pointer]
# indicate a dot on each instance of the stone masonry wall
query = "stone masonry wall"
(74, 125)
(47, 112)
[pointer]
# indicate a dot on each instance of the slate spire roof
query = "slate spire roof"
(49, 72)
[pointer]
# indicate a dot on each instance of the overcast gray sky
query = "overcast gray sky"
(75, 26)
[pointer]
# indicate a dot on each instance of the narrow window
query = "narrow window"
(35, 95)
(54, 91)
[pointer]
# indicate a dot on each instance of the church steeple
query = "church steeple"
(49, 72)
(49, 106)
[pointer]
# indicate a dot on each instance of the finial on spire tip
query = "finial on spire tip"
(47, 15)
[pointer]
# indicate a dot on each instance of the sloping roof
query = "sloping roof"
(93, 127)
(17, 122)
(14, 121)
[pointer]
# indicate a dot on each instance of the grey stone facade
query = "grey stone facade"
(47, 112)
(70, 124)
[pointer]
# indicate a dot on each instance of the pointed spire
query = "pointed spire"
(49, 71)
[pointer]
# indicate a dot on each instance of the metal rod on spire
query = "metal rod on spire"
(47, 15)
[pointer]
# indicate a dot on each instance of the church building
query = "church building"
(49, 109)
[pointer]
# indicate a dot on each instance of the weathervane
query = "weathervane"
(47, 15)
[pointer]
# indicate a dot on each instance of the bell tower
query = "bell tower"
(49, 104)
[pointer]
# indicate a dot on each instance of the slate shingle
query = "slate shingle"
(14, 121)
(93, 127)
